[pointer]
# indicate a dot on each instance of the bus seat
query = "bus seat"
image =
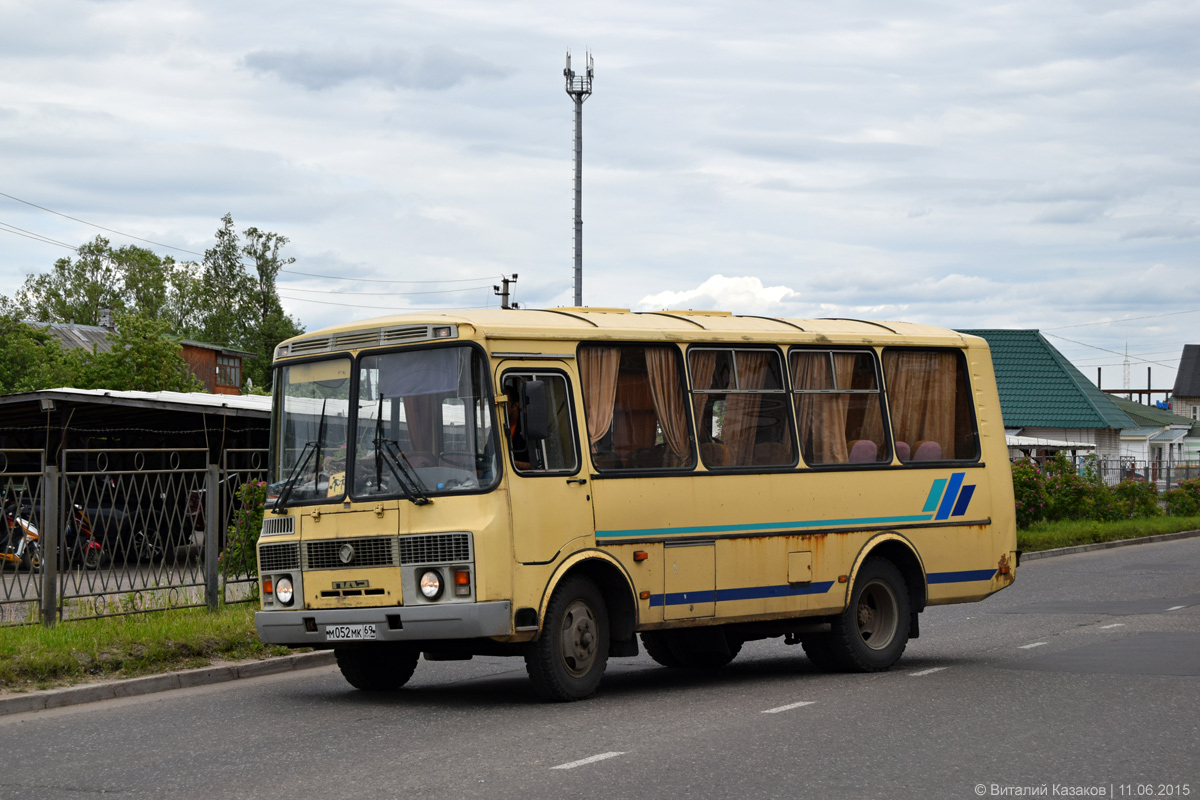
(772, 453)
(903, 451)
(928, 450)
(864, 451)
(713, 454)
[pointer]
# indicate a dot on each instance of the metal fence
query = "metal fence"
(119, 531)
(1164, 474)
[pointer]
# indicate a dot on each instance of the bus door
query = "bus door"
(550, 498)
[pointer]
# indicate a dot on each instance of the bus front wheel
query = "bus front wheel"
(871, 634)
(568, 660)
(377, 667)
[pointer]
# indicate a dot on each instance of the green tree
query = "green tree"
(32, 358)
(144, 356)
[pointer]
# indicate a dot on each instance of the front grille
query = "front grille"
(276, 557)
(375, 551)
(278, 526)
(435, 548)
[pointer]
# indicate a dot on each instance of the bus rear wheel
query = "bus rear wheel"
(567, 661)
(377, 667)
(871, 634)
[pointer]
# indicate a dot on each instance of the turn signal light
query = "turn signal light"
(462, 582)
(640, 555)
(268, 586)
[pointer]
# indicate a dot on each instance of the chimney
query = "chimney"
(106, 319)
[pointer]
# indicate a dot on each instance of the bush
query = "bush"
(1029, 490)
(240, 556)
(1136, 498)
(1069, 495)
(1184, 499)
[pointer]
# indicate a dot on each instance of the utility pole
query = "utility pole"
(503, 292)
(579, 87)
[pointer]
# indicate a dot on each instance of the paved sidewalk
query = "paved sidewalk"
(93, 692)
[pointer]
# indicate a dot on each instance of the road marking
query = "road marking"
(926, 672)
(1031, 646)
(1114, 625)
(789, 707)
(1175, 608)
(588, 760)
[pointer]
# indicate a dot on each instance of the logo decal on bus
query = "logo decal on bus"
(948, 497)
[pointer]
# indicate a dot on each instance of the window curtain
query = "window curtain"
(822, 417)
(670, 403)
(598, 367)
(704, 364)
(420, 410)
(741, 409)
(921, 391)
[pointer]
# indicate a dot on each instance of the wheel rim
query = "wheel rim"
(877, 615)
(579, 638)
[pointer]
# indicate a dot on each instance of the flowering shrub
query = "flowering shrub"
(1029, 489)
(1136, 499)
(1069, 495)
(240, 556)
(1184, 499)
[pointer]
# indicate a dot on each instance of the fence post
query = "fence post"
(212, 535)
(48, 540)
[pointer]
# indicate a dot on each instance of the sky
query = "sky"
(1010, 164)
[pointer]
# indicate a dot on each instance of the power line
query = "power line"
(1126, 319)
(393, 309)
(37, 237)
(1106, 350)
(381, 280)
(101, 227)
(385, 294)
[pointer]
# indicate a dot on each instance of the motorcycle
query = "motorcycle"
(82, 547)
(22, 545)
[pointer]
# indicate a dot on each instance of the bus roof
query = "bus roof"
(583, 324)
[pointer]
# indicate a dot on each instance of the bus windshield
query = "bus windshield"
(415, 424)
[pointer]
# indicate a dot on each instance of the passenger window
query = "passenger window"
(539, 423)
(741, 408)
(636, 408)
(929, 399)
(838, 407)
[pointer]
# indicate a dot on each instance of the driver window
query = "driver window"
(525, 417)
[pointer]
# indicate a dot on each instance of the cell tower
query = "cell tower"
(579, 87)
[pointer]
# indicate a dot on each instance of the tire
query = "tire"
(91, 558)
(567, 661)
(659, 649)
(692, 648)
(871, 634)
(31, 559)
(146, 547)
(379, 667)
(819, 649)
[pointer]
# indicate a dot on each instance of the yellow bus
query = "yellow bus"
(557, 484)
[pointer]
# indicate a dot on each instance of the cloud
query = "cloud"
(744, 295)
(431, 69)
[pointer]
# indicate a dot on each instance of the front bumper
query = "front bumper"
(393, 624)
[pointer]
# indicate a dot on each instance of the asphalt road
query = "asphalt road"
(1080, 680)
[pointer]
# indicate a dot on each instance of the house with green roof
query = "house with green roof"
(1047, 403)
(1161, 436)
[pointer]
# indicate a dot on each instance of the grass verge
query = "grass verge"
(1049, 535)
(33, 657)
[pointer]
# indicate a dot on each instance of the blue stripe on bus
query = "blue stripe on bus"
(762, 526)
(950, 496)
(742, 593)
(964, 499)
(963, 576)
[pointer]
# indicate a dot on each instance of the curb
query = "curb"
(1084, 548)
(133, 687)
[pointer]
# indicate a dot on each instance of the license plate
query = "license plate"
(342, 633)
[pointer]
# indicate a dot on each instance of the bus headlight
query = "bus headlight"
(431, 584)
(284, 593)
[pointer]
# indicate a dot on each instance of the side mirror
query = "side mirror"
(533, 412)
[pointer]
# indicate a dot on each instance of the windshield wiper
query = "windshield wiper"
(405, 473)
(281, 501)
(312, 448)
